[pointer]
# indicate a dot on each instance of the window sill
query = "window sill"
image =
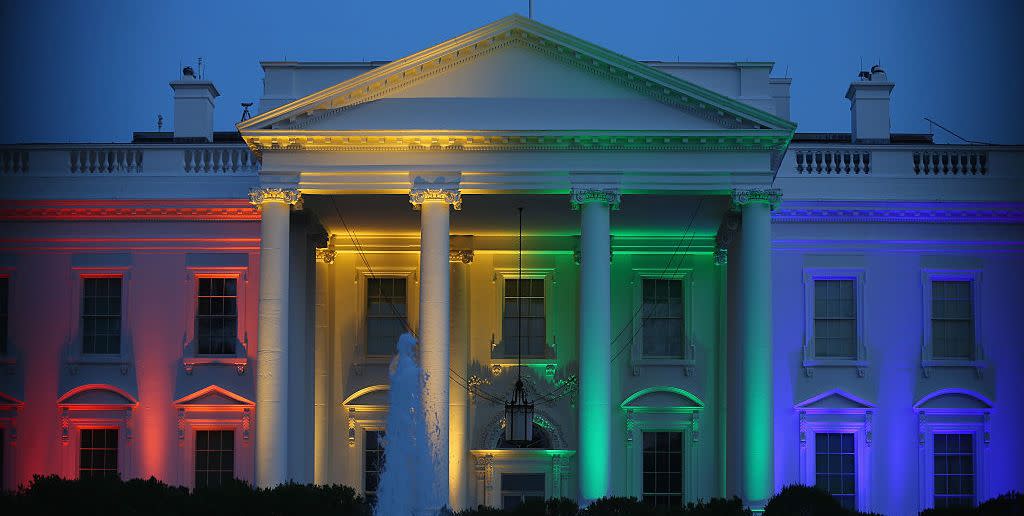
(98, 360)
(687, 364)
(240, 363)
(860, 365)
(928, 365)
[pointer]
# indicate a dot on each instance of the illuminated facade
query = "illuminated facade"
(715, 304)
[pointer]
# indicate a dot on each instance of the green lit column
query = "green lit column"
(595, 341)
(754, 309)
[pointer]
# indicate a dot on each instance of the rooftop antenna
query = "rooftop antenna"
(245, 111)
(786, 75)
(159, 122)
(199, 69)
(530, 3)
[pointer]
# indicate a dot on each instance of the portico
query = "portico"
(637, 195)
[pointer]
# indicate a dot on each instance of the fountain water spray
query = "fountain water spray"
(408, 482)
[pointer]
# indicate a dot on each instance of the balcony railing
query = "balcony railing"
(94, 160)
(904, 161)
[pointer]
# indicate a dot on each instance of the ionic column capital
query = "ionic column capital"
(769, 196)
(581, 196)
(417, 196)
(325, 255)
(289, 196)
(460, 256)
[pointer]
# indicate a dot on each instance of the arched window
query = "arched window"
(541, 440)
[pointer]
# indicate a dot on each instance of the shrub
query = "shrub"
(1007, 504)
(800, 500)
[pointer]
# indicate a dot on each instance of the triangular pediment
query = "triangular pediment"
(514, 74)
(96, 396)
(835, 399)
(7, 402)
(213, 396)
(662, 399)
(954, 399)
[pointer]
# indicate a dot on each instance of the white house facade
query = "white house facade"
(714, 304)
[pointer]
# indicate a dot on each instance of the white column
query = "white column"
(434, 341)
(751, 357)
(272, 346)
(458, 430)
(321, 367)
(595, 341)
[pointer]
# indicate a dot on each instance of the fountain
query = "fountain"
(408, 482)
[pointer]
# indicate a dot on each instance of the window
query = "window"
(98, 453)
(526, 295)
(954, 470)
(663, 469)
(385, 314)
(3, 316)
(835, 319)
(217, 316)
(952, 320)
(373, 463)
(215, 457)
(835, 468)
(519, 488)
(662, 311)
(101, 315)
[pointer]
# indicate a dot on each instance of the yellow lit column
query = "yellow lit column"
(595, 341)
(433, 204)
(321, 367)
(272, 346)
(458, 430)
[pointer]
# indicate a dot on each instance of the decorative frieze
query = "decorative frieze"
(769, 196)
(417, 196)
(460, 255)
(581, 196)
(259, 196)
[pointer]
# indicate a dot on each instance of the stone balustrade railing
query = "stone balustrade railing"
(93, 160)
(904, 161)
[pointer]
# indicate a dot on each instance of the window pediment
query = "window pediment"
(954, 399)
(372, 396)
(97, 396)
(662, 399)
(213, 396)
(835, 400)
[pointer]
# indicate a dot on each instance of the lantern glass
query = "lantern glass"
(519, 422)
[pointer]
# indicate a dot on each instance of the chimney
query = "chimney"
(193, 106)
(869, 106)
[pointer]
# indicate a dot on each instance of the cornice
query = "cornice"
(901, 213)
(509, 31)
(513, 141)
(139, 210)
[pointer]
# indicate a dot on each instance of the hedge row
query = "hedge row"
(54, 495)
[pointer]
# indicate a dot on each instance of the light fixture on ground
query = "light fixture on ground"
(519, 410)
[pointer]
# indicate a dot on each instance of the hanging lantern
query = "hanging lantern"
(519, 417)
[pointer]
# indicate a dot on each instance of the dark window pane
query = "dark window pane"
(98, 453)
(523, 316)
(662, 318)
(217, 316)
(662, 467)
(835, 466)
(385, 314)
(214, 456)
(101, 315)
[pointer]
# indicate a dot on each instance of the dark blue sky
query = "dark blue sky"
(96, 71)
